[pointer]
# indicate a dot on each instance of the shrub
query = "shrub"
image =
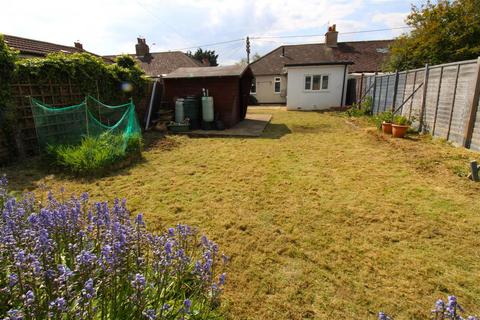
(69, 259)
(401, 120)
(95, 155)
(363, 110)
(386, 116)
(447, 311)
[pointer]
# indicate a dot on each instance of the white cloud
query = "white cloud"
(111, 26)
(392, 20)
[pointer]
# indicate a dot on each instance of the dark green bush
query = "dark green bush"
(96, 155)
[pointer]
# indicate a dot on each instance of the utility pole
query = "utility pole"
(248, 50)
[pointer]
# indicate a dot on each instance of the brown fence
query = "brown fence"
(442, 99)
(55, 94)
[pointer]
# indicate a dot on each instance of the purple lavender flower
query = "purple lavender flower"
(139, 282)
(29, 298)
(187, 304)
(221, 280)
(12, 280)
(383, 316)
(150, 314)
(14, 315)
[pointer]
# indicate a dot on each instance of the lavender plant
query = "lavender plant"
(70, 259)
(450, 310)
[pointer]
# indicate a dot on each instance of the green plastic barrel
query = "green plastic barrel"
(192, 110)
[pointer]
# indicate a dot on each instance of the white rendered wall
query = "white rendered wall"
(300, 99)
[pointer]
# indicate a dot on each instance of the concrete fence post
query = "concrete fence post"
(472, 108)
(359, 100)
(424, 98)
(395, 89)
(374, 92)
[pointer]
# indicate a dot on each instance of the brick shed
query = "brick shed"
(228, 85)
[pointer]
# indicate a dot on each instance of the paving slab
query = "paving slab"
(252, 126)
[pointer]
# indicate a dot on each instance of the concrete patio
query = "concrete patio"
(252, 126)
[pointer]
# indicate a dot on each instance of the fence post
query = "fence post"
(473, 106)
(424, 98)
(395, 88)
(374, 92)
(359, 100)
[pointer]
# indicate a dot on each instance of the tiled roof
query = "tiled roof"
(36, 47)
(161, 63)
(204, 72)
(367, 56)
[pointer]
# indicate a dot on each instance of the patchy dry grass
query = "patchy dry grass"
(323, 217)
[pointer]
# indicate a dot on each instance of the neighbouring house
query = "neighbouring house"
(29, 48)
(159, 64)
(315, 76)
(228, 85)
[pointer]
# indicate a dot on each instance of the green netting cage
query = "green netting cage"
(91, 118)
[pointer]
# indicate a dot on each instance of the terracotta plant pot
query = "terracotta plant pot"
(387, 127)
(399, 131)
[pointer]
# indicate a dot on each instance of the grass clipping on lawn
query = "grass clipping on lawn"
(95, 155)
(323, 219)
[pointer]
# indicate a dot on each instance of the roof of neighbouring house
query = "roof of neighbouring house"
(156, 64)
(205, 72)
(367, 56)
(37, 47)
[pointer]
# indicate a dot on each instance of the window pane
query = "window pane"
(253, 89)
(308, 83)
(325, 82)
(316, 83)
(277, 85)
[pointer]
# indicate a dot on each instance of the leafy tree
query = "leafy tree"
(243, 61)
(443, 32)
(200, 54)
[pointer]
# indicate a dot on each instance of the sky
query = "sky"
(112, 26)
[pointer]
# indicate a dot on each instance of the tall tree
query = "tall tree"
(443, 32)
(243, 61)
(201, 54)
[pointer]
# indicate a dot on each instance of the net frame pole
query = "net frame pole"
(86, 117)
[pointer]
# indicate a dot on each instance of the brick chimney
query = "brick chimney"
(141, 48)
(78, 45)
(206, 62)
(331, 36)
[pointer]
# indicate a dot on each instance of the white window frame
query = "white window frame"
(321, 75)
(279, 80)
(253, 81)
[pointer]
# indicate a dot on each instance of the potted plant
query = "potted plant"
(400, 126)
(385, 122)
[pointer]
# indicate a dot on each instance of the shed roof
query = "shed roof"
(367, 56)
(156, 64)
(205, 72)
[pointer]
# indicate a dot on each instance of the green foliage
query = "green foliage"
(7, 69)
(363, 110)
(91, 73)
(401, 120)
(386, 116)
(443, 32)
(96, 155)
(200, 54)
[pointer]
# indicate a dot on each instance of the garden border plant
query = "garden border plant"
(68, 258)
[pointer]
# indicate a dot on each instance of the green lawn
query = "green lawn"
(323, 217)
